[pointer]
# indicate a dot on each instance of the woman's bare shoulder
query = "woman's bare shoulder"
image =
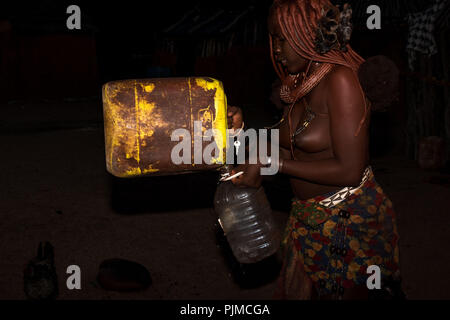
(342, 76)
(343, 90)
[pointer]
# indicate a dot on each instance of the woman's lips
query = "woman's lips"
(281, 60)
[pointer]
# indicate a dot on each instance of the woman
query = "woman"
(341, 221)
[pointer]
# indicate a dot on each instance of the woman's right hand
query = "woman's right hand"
(251, 176)
(234, 117)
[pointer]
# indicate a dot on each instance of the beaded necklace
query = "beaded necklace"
(309, 116)
(290, 92)
(292, 96)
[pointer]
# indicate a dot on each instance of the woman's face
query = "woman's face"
(282, 50)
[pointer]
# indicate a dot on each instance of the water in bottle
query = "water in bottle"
(246, 218)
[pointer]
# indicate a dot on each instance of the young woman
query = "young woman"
(341, 221)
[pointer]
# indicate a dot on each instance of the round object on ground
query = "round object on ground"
(123, 275)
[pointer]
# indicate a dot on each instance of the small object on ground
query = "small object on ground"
(123, 275)
(40, 279)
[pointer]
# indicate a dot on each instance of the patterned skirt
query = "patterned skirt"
(333, 243)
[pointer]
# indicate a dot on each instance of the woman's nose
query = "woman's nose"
(277, 49)
(276, 46)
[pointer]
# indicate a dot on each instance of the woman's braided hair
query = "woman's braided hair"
(334, 29)
(317, 31)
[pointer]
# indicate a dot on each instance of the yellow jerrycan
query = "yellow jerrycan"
(150, 124)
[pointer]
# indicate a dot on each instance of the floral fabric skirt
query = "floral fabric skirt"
(334, 246)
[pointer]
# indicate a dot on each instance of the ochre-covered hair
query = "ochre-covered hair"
(299, 21)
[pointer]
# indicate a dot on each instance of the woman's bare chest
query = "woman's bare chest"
(310, 130)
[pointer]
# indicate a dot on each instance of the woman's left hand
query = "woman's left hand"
(251, 176)
(235, 118)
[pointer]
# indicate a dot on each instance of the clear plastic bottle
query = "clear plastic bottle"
(246, 219)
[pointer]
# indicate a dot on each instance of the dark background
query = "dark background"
(55, 187)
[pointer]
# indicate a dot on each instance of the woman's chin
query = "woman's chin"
(289, 70)
(292, 70)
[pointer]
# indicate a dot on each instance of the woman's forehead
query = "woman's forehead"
(273, 25)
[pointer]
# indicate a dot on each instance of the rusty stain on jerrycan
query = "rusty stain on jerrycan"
(141, 114)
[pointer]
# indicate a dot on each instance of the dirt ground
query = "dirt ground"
(55, 187)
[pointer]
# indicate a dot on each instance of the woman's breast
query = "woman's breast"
(313, 139)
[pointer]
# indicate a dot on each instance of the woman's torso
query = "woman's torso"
(312, 144)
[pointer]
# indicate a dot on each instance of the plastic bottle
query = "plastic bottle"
(246, 219)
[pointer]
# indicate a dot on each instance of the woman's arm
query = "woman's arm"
(346, 109)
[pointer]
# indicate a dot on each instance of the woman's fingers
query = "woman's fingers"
(250, 178)
(237, 181)
(234, 117)
(232, 110)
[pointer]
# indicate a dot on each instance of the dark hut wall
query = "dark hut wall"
(245, 67)
(427, 95)
(39, 58)
(387, 126)
(423, 106)
(227, 43)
